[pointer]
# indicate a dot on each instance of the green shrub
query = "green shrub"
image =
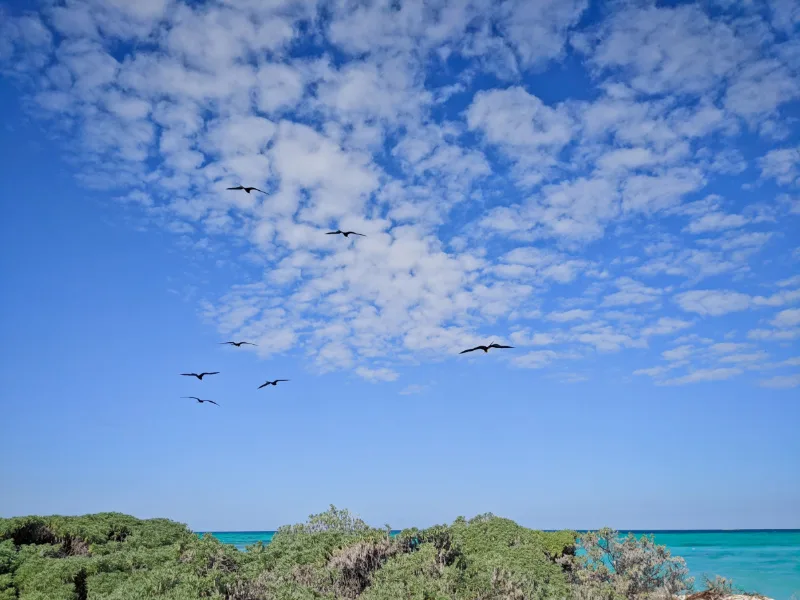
(332, 556)
(719, 586)
(630, 567)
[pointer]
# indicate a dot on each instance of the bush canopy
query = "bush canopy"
(332, 556)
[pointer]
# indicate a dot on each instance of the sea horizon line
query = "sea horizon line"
(773, 530)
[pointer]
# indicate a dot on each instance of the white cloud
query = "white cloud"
(774, 335)
(694, 264)
(720, 302)
(575, 314)
(545, 265)
(605, 338)
(667, 49)
(376, 374)
(716, 222)
(560, 217)
(280, 86)
(781, 382)
(651, 193)
(782, 164)
(414, 388)
(740, 241)
(713, 302)
(652, 371)
(701, 375)
(785, 14)
(777, 299)
(523, 338)
(679, 353)
(789, 204)
(752, 357)
(538, 30)
(536, 359)
(760, 87)
(631, 292)
(576, 210)
(515, 118)
(728, 347)
(787, 318)
(793, 281)
(666, 326)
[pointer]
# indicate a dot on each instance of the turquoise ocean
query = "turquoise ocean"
(764, 561)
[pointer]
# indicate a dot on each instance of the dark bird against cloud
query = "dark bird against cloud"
(238, 344)
(485, 348)
(200, 375)
(247, 189)
(344, 233)
(199, 400)
(271, 383)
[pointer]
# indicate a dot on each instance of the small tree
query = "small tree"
(332, 520)
(628, 567)
(719, 586)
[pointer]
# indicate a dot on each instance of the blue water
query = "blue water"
(767, 562)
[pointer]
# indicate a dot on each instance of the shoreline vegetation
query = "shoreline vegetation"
(336, 556)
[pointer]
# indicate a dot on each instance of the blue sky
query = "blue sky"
(612, 188)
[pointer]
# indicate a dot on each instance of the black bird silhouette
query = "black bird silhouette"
(199, 376)
(198, 399)
(247, 189)
(271, 383)
(344, 233)
(238, 344)
(485, 348)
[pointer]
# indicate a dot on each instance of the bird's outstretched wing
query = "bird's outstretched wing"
(258, 190)
(249, 343)
(333, 232)
(192, 397)
(277, 380)
(223, 343)
(190, 374)
(263, 385)
(212, 402)
(500, 346)
(238, 187)
(354, 233)
(212, 373)
(470, 350)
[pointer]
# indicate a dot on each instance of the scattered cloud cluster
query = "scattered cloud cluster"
(625, 186)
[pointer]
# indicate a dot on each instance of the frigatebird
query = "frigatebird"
(485, 348)
(199, 400)
(247, 189)
(238, 344)
(271, 383)
(200, 376)
(344, 233)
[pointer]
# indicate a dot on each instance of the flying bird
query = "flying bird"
(271, 383)
(200, 376)
(344, 233)
(238, 344)
(485, 348)
(199, 400)
(247, 189)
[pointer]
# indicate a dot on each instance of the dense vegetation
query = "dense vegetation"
(333, 556)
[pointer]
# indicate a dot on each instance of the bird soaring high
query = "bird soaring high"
(247, 189)
(238, 344)
(199, 400)
(199, 375)
(344, 233)
(485, 348)
(271, 383)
